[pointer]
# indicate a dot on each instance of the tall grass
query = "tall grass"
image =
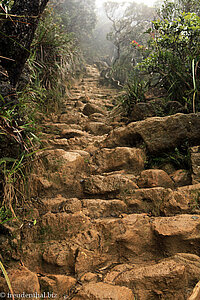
(53, 58)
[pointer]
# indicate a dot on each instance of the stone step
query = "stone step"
(102, 226)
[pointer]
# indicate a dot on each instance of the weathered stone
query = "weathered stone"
(64, 170)
(71, 133)
(96, 117)
(142, 111)
(72, 117)
(192, 266)
(59, 143)
(61, 204)
(181, 178)
(190, 197)
(195, 293)
(101, 291)
(60, 257)
(57, 286)
(58, 158)
(96, 208)
(159, 134)
(97, 128)
(120, 158)
(109, 185)
(166, 279)
(148, 200)
(155, 178)
(195, 161)
(178, 234)
(23, 282)
(90, 109)
(40, 183)
(128, 239)
(161, 201)
(89, 277)
(89, 251)
(62, 225)
(159, 279)
(177, 202)
(55, 128)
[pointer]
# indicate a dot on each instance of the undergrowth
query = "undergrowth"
(54, 55)
(134, 93)
(179, 158)
(18, 145)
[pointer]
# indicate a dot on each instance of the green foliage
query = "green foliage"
(18, 144)
(135, 90)
(179, 158)
(172, 9)
(174, 49)
(6, 5)
(5, 215)
(53, 58)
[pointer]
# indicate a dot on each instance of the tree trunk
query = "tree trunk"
(16, 34)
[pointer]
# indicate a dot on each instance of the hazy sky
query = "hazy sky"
(147, 2)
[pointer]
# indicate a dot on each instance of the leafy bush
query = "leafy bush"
(175, 56)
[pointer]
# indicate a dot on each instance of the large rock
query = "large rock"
(154, 178)
(96, 117)
(72, 117)
(184, 199)
(97, 208)
(166, 202)
(64, 169)
(127, 239)
(61, 204)
(149, 200)
(110, 185)
(90, 109)
(170, 278)
(23, 282)
(178, 234)
(56, 286)
(55, 128)
(97, 128)
(181, 177)
(58, 257)
(179, 201)
(102, 291)
(72, 133)
(144, 110)
(158, 134)
(63, 225)
(121, 158)
(165, 279)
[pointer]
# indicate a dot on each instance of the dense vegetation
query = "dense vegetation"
(167, 59)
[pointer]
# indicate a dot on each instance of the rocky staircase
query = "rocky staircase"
(107, 227)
